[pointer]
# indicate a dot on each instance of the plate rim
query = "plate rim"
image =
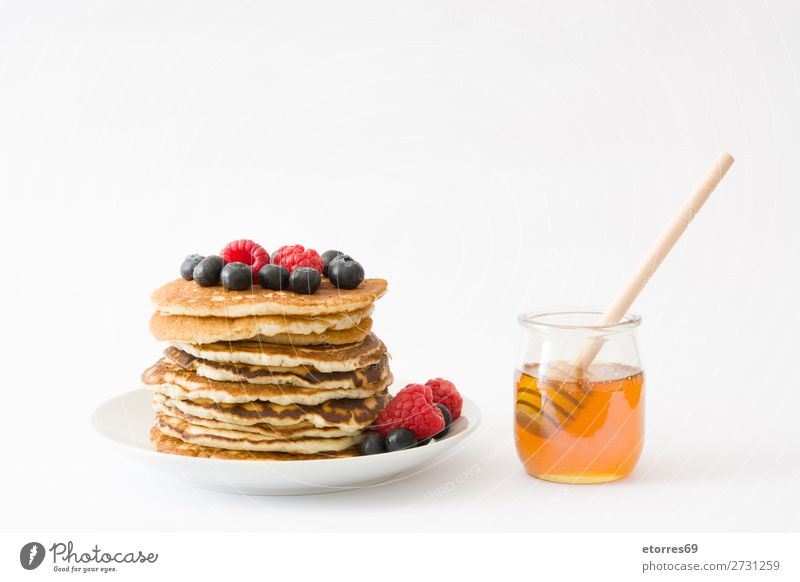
(473, 421)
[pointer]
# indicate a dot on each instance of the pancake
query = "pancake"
(301, 429)
(204, 330)
(168, 378)
(173, 446)
(348, 414)
(181, 297)
(300, 376)
(244, 441)
(334, 337)
(322, 358)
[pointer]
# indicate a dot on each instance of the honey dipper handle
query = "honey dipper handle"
(651, 261)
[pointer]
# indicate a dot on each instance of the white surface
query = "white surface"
(484, 157)
(125, 421)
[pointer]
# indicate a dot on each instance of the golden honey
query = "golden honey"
(579, 427)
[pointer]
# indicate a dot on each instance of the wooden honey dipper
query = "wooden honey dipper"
(566, 404)
(652, 260)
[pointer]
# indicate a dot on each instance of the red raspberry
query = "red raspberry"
(444, 392)
(247, 252)
(412, 408)
(293, 256)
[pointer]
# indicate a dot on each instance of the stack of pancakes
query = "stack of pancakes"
(262, 374)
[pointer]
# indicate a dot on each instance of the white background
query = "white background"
(484, 157)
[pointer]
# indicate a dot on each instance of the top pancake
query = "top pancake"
(181, 297)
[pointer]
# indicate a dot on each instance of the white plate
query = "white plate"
(125, 422)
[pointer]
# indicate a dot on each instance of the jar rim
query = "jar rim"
(538, 319)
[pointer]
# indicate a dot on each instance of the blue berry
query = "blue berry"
(237, 276)
(448, 420)
(208, 271)
(373, 444)
(345, 272)
(304, 280)
(274, 277)
(327, 259)
(188, 265)
(399, 439)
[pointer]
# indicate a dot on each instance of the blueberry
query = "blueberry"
(188, 265)
(373, 444)
(327, 259)
(341, 257)
(424, 442)
(274, 277)
(237, 276)
(207, 271)
(448, 420)
(304, 280)
(346, 273)
(399, 439)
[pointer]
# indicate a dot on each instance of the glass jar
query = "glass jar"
(575, 423)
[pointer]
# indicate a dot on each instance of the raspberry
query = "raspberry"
(293, 256)
(444, 392)
(247, 252)
(412, 408)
